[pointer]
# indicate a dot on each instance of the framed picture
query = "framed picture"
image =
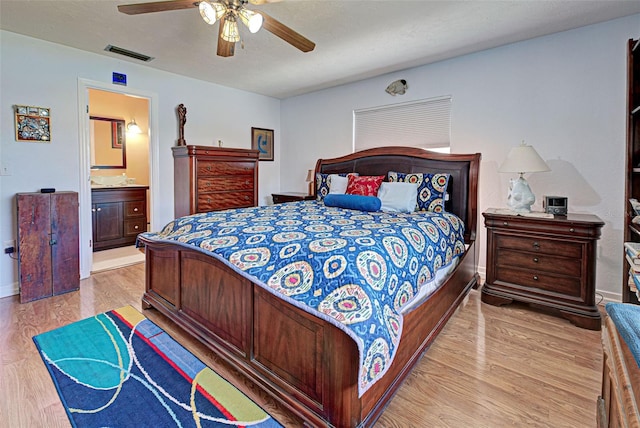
(32, 124)
(262, 141)
(117, 133)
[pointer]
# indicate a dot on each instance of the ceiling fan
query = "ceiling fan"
(228, 12)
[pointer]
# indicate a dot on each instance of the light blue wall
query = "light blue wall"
(34, 72)
(565, 94)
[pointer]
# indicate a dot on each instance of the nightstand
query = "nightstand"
(279, 198)
(550, 262)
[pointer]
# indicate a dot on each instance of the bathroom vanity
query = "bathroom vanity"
(119, 214)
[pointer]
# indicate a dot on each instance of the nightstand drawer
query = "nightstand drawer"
(539, 262)
(539, 245)
(279, 198)
(568, 286)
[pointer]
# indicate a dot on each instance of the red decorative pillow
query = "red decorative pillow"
(366, 185)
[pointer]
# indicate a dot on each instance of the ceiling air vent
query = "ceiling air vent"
(130, 54)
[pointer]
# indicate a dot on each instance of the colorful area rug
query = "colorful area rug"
(120, 369)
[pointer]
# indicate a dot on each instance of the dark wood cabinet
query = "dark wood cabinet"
(279, 198)
(213, 178)
(550, 262)
(119, 214)
(632, 182)
(48, 244)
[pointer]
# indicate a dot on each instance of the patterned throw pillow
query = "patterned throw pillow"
(431, 189)
(323, 183)
(367, 185)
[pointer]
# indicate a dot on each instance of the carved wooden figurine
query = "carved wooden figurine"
(182, 119)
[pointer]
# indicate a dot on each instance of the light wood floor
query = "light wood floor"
(491, 366)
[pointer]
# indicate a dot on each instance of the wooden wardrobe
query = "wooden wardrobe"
(48, 244)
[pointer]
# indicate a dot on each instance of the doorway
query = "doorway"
(120, 157)
(97, 99)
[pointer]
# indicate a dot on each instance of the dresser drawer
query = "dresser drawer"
(209, 168)
(564, 285)
(539, 245)
(539, 262)
(135, 209)
(224, 200)
(225, 183)
(135, 226)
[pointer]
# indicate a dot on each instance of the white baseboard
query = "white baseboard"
(9, 290)
(607, 297)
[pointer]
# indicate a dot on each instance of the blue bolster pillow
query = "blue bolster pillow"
(353, 202)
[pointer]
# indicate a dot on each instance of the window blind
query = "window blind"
(424, 123)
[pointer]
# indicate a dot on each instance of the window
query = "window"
(423, 123)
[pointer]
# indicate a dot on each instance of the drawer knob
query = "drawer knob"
(135, 209)
(246, 198)
(208, 168)
(99, 209)
(246, 182)
(208, 200)
(506, 223)
(535, 277)
(572, 230)
(136, 227)
(536, 245)
(535, 260)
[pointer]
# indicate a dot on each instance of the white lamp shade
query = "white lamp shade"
(230, 31)
(251, 19)
(211, 12)
(523, 159)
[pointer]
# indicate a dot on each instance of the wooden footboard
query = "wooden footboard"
(306, 363)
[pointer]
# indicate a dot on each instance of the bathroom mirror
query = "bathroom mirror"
(108, 143)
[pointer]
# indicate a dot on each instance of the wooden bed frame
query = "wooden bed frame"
(307, 364)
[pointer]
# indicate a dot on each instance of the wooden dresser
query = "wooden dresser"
(211, 179)
(550, 262)
(620, 400)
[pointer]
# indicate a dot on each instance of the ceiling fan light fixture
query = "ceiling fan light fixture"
(211, 12)
(230, 31)
(252, 19)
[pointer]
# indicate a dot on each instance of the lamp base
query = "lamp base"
(520, 196)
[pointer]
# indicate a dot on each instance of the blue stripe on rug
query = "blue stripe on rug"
(120, 369)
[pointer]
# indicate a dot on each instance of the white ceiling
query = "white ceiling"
(355, 39)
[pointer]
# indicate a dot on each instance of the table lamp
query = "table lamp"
(522, 159)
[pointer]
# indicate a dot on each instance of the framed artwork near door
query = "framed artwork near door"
(262, 141)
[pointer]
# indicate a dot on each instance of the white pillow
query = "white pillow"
(398, 197)
(337, 184)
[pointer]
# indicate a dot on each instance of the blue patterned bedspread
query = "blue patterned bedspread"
(352, 268)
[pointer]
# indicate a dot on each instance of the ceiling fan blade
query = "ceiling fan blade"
(287, 34)
(225, 48)
(156, 6)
